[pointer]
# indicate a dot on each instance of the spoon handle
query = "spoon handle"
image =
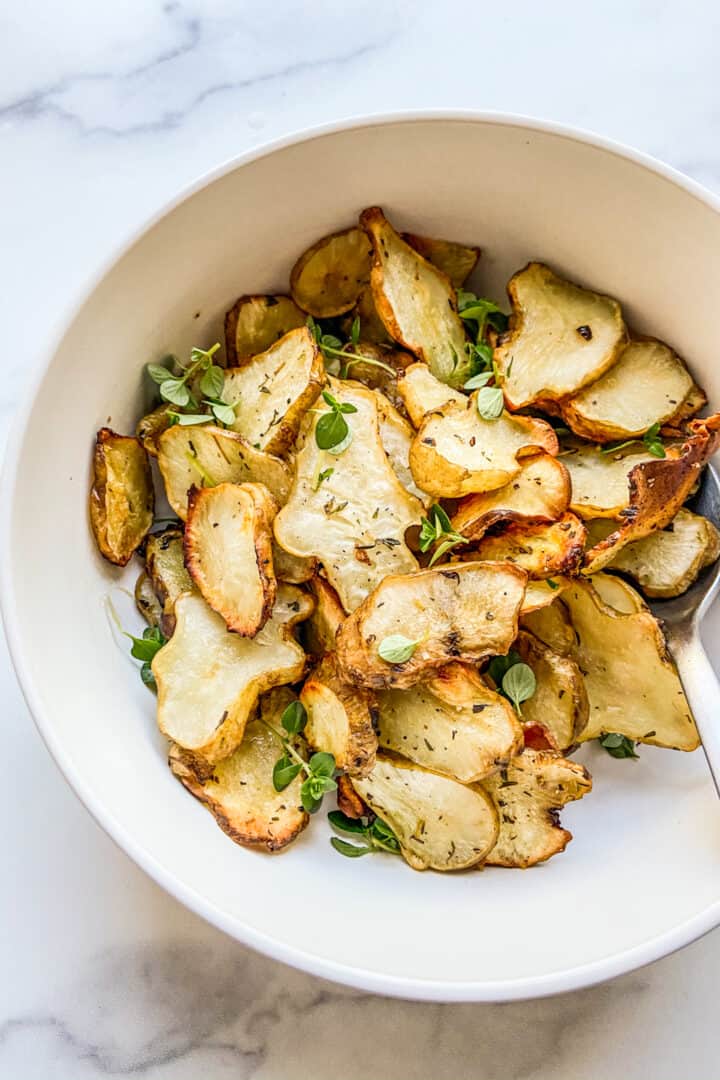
(702, 690)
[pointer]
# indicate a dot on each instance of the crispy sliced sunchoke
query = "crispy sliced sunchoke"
(667, 562)
(324, 623)
(541, 550)
(165, 566)
(150, 427)
(559, 704)
(617, 593)
(368, 364)
(599, 479)
(205, 456)
(540, 594)
(539, 493)
(561, 337)
(396, 436)
(292, 568)
(349, 509)
(528, 795)
(440, 824)
(228, 552)
(457, 452)
(457, 261)
(631, 681)
(339, 718)
(551, 625)
(209, 679)
(146, 600)
(646, 386)
(273, 391)
(450, 722)
(239, 792)
(423, 393)
(254, 323)
(460, 612)
(328, 278)
(122, 497)
(416, 301)
(657, 489)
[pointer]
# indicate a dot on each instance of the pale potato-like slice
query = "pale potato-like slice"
(165, 567)
(560, 702)
(205, 456)
(456, 452)
(121, 497)
(464, 611)
(561, 337)
(150, 427)
(209, 679)
(416, 301)
(396, 436)
(228, 552)
(339, 718)
(539, 493)
(667, 562)
(457, 261)
(146, 601)
(363, 364)
(528, 795)
(292, 568)
(440, 824)
(551, 625)
(693, 403)
(254, 323)
(617, 594)
(541, 550)
(239, 792)
(631, 681)
(451, 722)
(540, 594)
(600, 481)
(657, 489)
(423, 393)
(326, 619)
(274, 390)
(328, 278)
(372, 327)
(353, 520)
(646, 386)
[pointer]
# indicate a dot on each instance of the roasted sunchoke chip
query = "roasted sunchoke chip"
(561, 337)
(541, 550)
(254, 323)
(339, 718)
(539, 493)
(328, 278)
(121, 497)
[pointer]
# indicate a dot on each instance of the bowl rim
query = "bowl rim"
(410, 988)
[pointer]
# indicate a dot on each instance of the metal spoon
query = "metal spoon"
(682, 617)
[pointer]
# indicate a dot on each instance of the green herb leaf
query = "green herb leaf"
(151, 642)
(382, 835)
(355, 330)
(322, 477)
(158, 373)
(225, 414)
(175, 391)
(396, 649)
(331, 430)
(519, 684)
(146, 674)
(490, 402)
(552, 584)
(284, 772)
(212, 382)
(437, 526)
(352, 851)
(310, 797)
(188, 419)
(481, 379)
(500, 665)
(653, 442)
(343, 823)
(618, 746)
(294, 718)
(322, 764)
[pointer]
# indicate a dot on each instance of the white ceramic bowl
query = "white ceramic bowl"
(642, 876)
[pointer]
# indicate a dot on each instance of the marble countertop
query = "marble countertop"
(105, 111)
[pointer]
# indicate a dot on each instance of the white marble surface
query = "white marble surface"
(105, 111)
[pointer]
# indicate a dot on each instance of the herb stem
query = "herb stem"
(287, 746)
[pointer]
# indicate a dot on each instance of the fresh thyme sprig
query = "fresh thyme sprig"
(514, 679)
(144, 649)
(437, 528)
(377, 835)
(651, 439)
(618, 746)
(333, 348)
(319, 770)
(331, 431)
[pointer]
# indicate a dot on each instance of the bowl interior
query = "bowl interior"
(643, 873)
